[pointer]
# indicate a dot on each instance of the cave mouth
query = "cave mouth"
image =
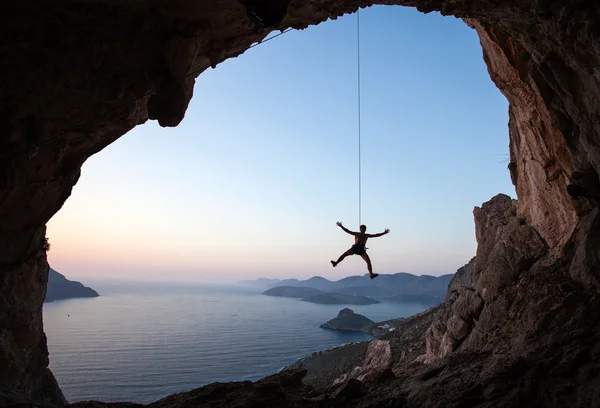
(119, 168)
(131, 63)
(313, 131)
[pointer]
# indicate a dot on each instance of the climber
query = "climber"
(360, 240)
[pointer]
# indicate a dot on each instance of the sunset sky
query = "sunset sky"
(251, 183)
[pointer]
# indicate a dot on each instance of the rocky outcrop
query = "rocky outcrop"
(376, 362)
(506, 248)
(60, 287)
(348, 320)
(451, 322)
(324, 367)
(464, 278)
(78, 75)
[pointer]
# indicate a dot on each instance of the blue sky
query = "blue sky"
(253, 180)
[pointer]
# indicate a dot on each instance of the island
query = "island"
(349, 321)
(313, 295)
(340, 299)
(292, 291)
(59, 287)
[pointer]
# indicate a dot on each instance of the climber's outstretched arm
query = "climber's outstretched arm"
(380, 234)
(339, 224)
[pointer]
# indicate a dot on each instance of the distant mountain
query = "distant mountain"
(60, 287)
(317, 296)
(399, 286)
(287, 282)
(318, 282)
(340, 299)
(292, 291)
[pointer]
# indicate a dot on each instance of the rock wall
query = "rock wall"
(24, 357)
(464, 278)
(540, 161)
(455, 316)
(506, 249)
(546, 66)
(78, 75)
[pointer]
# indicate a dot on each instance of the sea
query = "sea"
(142, 342)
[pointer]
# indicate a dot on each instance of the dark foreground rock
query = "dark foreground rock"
(279, 390)
(59, 287)
(78, 75)
(325, 367)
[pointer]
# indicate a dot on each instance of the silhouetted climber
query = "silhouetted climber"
(360, 240)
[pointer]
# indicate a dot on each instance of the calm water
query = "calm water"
(141, 344)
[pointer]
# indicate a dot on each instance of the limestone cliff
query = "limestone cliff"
(496, 267)
(78, 75)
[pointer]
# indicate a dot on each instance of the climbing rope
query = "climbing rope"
(358, 103)
(287, 30)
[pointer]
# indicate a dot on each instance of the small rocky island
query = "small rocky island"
(347, 320)
(59, 287)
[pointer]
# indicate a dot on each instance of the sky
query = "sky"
(253, 180)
